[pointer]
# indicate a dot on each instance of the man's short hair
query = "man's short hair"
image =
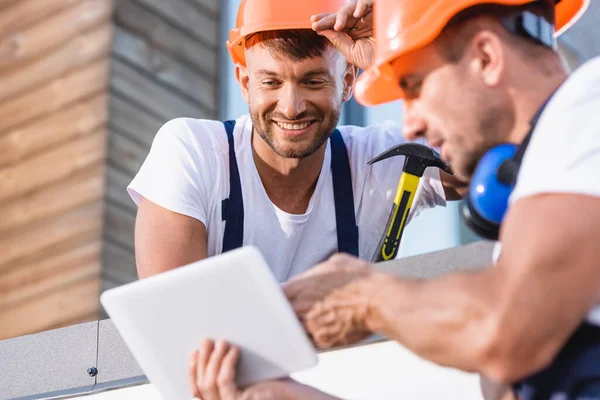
(295, 44)
(453, 45)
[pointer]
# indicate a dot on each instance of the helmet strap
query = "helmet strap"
(531, 26)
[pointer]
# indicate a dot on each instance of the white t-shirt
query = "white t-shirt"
(563, 155)
(187, 171)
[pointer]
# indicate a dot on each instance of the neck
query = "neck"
(530, 96)
(289, 182)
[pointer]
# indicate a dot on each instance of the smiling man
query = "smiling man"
(282, 178)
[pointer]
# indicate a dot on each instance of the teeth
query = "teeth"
(294, 127)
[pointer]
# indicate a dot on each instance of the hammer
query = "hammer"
(417, 158)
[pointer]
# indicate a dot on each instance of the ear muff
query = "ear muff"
(486, 201)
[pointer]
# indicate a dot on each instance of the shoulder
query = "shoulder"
(564, 152)
(198, 134)
(571, 116)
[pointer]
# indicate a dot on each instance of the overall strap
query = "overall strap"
(233, 207)
(343, 194)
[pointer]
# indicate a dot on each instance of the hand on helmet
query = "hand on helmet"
(350, 30)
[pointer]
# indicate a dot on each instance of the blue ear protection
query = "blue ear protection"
(487, 199)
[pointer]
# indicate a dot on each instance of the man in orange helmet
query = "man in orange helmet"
(482, 80)
(282, 178)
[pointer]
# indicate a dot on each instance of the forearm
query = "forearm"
(447, 320)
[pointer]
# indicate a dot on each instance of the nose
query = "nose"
(291, 103)
(414, 125)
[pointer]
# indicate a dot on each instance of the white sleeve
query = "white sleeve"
(174, 174)
(430, 192)
(564, 152)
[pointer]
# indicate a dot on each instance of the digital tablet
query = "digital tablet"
(232, 296)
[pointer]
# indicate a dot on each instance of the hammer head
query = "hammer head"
(417, 158)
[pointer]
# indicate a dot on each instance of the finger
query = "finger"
(193, 371)
(204, 352)
(361, 7)
(340, 40)
(293, 288)
(319, 17)
(301, 307)
(210, 390)
(324, 23)
(226, 377)
(343, 15)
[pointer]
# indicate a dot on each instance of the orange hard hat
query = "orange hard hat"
(268, 15)
(402, 26)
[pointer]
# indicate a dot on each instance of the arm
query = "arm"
(165, 240)
(496, 321)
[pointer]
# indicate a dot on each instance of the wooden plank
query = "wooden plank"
(209, 5)
(50, 274)
(55, 95)
(76, 53)
(29, 43)
(126, 154)
(20, 243)
(119, 226)
(50, 200)
(150, 94)
(69, 243)
(77, 300)
(133, 121)
(181, 13)
(165, 68)
(118, 264)
(23, 13)
(166, 37)
(116, 188)
(53, 165)
(69, 123)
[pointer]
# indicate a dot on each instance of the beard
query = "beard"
(296, 147)
(492, 129)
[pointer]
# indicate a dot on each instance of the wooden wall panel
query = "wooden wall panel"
(86, 84)
(52, 32)
(78, 120)
(201, 24)
(20, 14)
(55, 95)
(165, 64)
(164, 36)
(79, 51)
(54, 69)
(174, 74)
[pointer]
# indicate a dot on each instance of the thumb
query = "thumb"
(340, 40)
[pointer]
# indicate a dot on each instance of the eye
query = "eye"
(411, 88)
(315, 83)
(269, 83)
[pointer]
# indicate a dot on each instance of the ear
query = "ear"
(242, 76)
(489, 57)
(350, 75)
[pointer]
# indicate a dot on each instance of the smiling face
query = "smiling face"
(295, 102)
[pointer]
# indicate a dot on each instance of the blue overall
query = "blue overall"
(347, 231)
(573, 375)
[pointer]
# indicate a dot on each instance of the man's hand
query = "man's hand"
(212, 377)
(330, 301)
(306, 289)
(350, 30)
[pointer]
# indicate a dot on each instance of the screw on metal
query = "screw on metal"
(92, 371)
